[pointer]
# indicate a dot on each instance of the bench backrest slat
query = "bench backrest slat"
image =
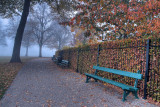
(65, 61)
(119, 72)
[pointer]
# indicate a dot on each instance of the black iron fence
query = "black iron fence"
(131, 55)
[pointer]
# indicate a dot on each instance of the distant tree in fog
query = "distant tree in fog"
(2, 35)
(27, 39)
(41, 23)
(61, 37)
(2, 38)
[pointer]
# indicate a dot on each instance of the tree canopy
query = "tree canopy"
(122, 18)
(10, 8)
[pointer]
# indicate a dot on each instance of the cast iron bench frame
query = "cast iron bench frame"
(126, 88)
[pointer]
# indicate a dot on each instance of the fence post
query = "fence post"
(69, 58)
(97, 57)
(61, 54)
(78, 59)
(147, 68)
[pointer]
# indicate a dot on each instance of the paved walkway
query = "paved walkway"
(41, 84)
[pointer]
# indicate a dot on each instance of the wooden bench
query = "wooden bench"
(126, 88)
(64, 63)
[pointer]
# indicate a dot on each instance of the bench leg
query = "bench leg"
(87, 79)
(125, 94)
(95, 80)
(135, 94)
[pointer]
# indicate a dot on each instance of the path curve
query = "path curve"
(41, 84)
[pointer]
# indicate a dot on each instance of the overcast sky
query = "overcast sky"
(33, 50)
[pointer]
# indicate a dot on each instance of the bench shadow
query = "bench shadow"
(113, 91)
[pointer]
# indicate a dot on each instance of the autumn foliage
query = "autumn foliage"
(124, 18)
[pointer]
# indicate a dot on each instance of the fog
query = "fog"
(33, 50)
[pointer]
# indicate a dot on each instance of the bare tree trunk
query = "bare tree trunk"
(59, 45)
(40, 50)
(19, 34)
(27, 51)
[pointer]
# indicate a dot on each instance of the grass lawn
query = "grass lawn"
(8, 71)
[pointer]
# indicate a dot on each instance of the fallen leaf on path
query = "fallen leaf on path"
(75, 101)
(91, 95)
(105, 105)
(103, 100)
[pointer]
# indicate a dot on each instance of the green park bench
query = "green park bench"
(55, 59)
(58, 60)
(64, 63)
(126, 88)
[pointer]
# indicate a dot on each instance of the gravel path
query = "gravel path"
(41, 84)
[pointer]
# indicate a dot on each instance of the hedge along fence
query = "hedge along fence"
(128, 55)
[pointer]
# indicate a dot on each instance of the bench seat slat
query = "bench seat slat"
(123, 86)
(119, 72)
